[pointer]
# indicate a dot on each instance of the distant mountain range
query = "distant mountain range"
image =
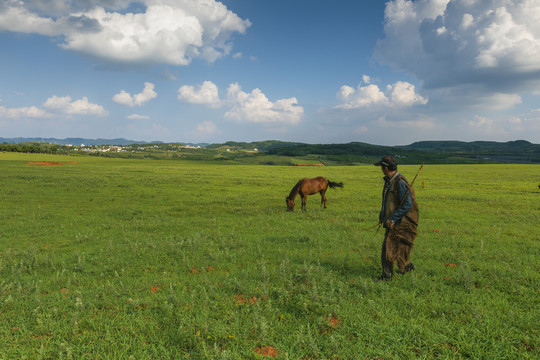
(82, 141)
(435, 152)
(71, 141)
(519, 151)
(475, 146)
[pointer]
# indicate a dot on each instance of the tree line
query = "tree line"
(34, 148)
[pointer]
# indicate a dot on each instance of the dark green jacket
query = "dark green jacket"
(398, 201)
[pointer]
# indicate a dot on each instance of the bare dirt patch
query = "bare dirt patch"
(267, 351)
(49, 163)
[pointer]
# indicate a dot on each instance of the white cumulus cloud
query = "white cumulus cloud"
(491, 43)
(255, 107)
(361, 97)
(24, 112)
(206, 94)
(65, 105)
(399, 94)
(140, 99)
(164, 31)
(252, 107)
(403, 94)
(53, 107)
(15, 17)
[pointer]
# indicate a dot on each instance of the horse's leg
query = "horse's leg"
(323, 198)
(304, 200)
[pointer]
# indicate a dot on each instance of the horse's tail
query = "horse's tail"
(294, 190)
(334, 185)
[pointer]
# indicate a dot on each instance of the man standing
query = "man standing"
(399, 215)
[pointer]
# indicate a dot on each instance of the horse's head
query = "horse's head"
(290, 204)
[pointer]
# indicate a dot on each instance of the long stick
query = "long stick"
(410, 186)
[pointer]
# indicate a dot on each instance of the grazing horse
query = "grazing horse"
(307, 187)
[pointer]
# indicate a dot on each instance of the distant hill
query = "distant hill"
(521, 146)
(259, 145)
(439, 152)
(430, 152)
(352, 148)
(73, 141)
(519, 151)
(81, 141)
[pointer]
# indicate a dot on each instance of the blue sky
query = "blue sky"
(382, 72)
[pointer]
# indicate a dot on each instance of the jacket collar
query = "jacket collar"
(386, 178)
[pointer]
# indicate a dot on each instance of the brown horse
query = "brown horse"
(307, 187)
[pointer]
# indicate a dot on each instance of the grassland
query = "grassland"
(145, 259)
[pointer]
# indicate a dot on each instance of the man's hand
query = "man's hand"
(389, 224)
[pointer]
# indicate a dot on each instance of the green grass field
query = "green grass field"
(147, 259)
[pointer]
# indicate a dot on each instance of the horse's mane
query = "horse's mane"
(294, 190)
